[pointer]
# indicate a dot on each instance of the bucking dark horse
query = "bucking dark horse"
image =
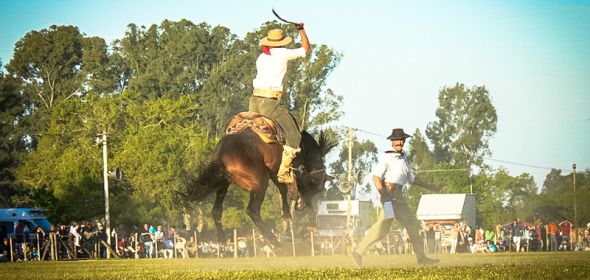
(248, 156)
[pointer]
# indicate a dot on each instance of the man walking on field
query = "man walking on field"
(389, 176)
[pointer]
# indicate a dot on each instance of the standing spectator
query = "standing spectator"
(430, 237)
(539, 237)
(62, 234)
(490, 235)
(479, 235)
(516, 232)
(438, 233)
(565, 228)
(552, 232)
(146, 238)
(21, 231)
(455, 237)
(159, 241)
(526, 238)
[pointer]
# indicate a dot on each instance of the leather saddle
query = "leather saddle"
(267, 129)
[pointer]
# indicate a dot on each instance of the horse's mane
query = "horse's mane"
(324, 142)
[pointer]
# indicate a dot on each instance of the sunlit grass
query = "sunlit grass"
(572, 265)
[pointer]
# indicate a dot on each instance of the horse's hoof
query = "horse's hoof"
(300, 204)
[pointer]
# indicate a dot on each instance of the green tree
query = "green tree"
(11, 138)
(466, 120)
(502, 198)
(452, 178)
(556, 199)
(53, 65)
(63, 172)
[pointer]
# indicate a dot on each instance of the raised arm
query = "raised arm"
(304, 39)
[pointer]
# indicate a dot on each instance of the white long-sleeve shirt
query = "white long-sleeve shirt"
(394, 168)
(271, 69)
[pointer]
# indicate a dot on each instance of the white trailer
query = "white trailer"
(447, 208)
(332, 217)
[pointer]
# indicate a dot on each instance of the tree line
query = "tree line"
(163, 95)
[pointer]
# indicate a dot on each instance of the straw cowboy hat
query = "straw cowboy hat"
(398, 134)
(276, 38)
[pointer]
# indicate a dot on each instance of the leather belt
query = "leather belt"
(391, 187)
(267, 93)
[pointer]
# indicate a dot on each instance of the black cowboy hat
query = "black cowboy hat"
(398, 134)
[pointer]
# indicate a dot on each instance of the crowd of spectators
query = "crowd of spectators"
(84, 240)
(80, 240)
(516, 236)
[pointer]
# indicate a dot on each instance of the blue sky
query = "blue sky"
(533, 56)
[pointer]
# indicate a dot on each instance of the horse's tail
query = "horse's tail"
(209, 179)
(214, 176)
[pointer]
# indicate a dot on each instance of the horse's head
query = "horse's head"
(311, 175)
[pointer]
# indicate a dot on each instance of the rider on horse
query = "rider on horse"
(271, 66)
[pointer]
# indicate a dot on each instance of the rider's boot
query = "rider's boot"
(286, 174)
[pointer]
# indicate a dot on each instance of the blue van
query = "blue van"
(34, 218)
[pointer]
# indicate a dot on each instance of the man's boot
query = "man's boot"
(286, 174)
(424, 260)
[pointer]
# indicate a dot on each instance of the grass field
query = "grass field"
(560, 265)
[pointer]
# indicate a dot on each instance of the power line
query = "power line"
(442, 170)
(371, 133)
(490, 159)
(526, 165)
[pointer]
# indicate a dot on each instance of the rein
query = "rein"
(319, 170)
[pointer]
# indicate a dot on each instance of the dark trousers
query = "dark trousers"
(405, 217)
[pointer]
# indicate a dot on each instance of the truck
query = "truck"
(332, 216)
(33, 218)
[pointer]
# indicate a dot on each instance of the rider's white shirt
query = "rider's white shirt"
(270, 69)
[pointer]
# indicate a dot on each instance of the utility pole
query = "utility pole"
(106, 190)
(349, 178)
(575, 202)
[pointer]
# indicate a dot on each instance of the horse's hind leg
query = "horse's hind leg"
(256, 199)
(217, 210)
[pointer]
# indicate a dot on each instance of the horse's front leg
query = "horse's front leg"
(285, 209)
(253, 209)
(312, 217)
(217, 211)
